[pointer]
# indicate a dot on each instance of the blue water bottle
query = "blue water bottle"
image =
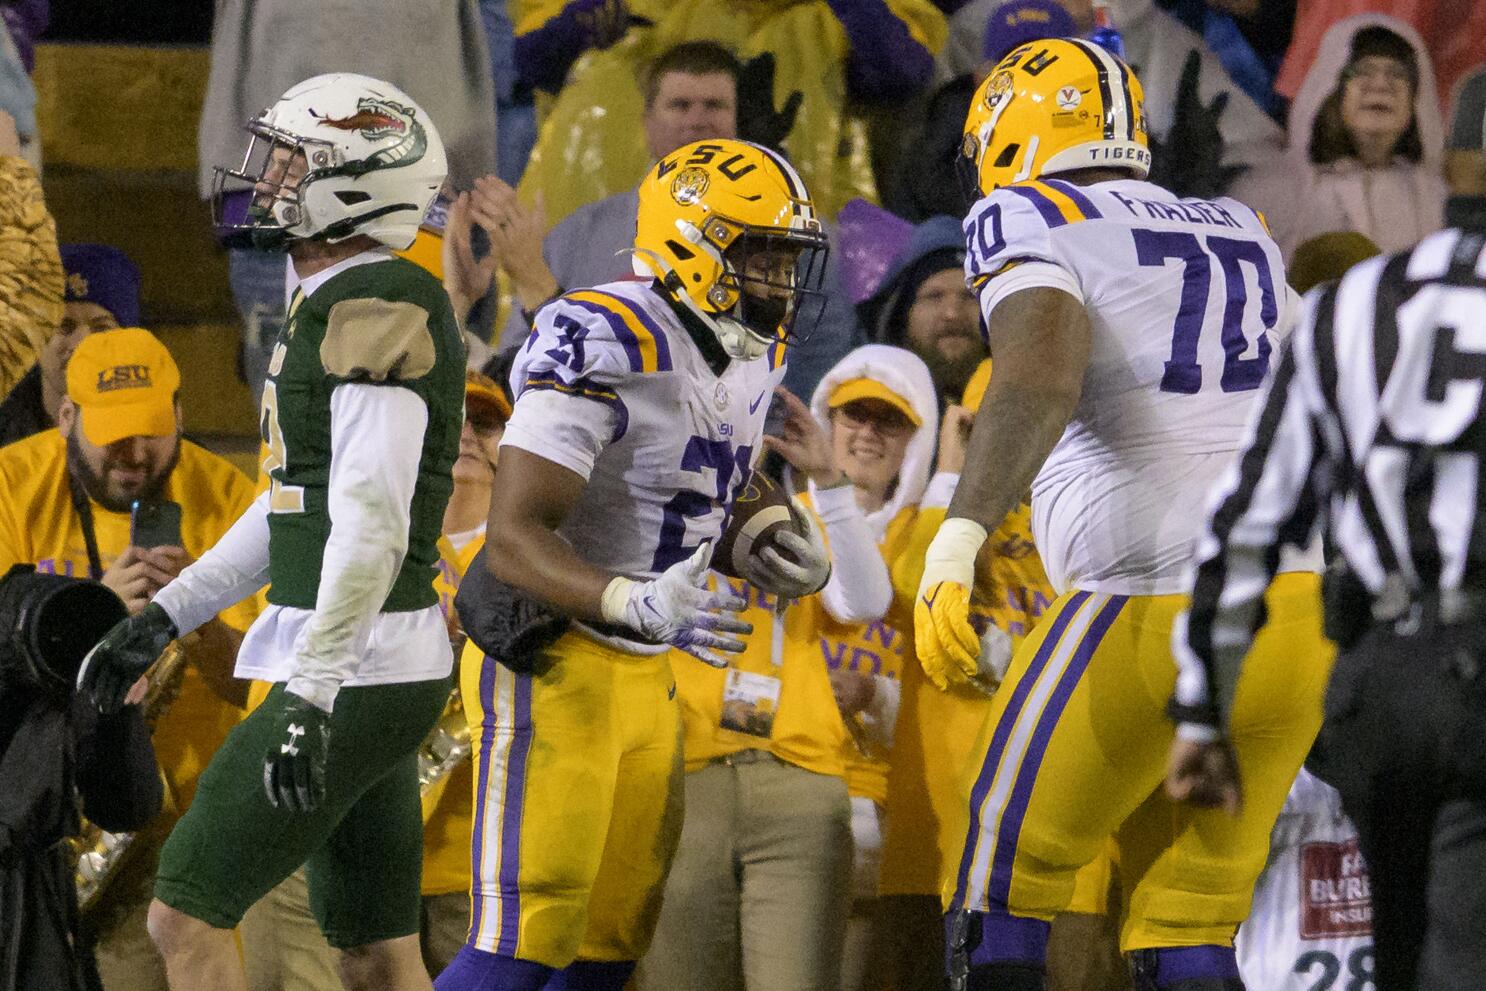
(1105, 34)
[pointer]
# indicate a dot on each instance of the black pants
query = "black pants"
(1404, 741)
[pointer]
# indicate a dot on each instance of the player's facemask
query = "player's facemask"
(774, 283)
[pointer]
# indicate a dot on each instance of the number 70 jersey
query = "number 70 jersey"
(1188, 302)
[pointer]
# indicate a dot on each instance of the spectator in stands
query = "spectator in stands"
(30, 271)
(433, 49)
(691, 94)
(923, 305)
(1326, 258)
(926, 183)
(101, 291)
(448, 809)
(1465, 162)
(1158, 46)
(1366, 141)
(759, 893)
(871, 51)
(65, 497)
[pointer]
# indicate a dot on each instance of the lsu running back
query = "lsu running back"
(639, 414)
(1131, 329)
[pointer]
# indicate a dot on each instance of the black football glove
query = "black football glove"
(124, 654)
(758, 121)
(294, 767)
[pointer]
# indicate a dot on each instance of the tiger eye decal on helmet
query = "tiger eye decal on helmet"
(1054, 106)
(730, 232)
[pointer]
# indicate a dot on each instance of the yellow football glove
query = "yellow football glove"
(948, 646)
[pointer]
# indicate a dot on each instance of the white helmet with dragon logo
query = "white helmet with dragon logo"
(337, 155)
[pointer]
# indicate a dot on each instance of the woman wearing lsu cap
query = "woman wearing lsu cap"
(937, 731)
(762, 881)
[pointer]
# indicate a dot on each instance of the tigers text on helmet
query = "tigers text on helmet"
(337, 155)
(729, 230)
(1053, 106)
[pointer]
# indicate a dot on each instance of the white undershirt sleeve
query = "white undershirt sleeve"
(235, 567)
(376, 443)
(859, 589)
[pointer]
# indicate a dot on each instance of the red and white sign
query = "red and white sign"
(1335, 894)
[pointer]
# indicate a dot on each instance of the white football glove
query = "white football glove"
(806, 575)
(677, 608)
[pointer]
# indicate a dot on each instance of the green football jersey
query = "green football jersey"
(385, 323)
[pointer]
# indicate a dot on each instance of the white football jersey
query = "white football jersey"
(1311, 923)
(1188, 302)
(611, 385)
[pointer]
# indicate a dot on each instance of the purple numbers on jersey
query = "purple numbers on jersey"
(700, 454)
(1183, 374)
(990, 220)
(569, 350)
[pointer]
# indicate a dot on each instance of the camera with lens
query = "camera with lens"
(48, 623)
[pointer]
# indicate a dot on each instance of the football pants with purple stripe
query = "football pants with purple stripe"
(578, 801)
(1073, 752)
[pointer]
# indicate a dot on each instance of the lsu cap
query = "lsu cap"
(124, 384)
(865, 388)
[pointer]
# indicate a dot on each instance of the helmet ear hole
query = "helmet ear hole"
(680, 250)
(350, 197)
(1007, 156)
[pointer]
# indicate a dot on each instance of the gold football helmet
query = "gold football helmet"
(1053, 106)
(729, 230)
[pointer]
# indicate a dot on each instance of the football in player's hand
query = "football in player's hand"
(760, 512)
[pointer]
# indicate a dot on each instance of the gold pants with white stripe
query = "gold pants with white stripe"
(1074, 750)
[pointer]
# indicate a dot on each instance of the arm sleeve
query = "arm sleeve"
(1265, 499)
(376, 442)
(859, 589)
(30, 271)
(886, 61)
(234, 568)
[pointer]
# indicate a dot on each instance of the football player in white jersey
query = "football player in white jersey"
(1130, 329)
(639, 415)
(1311, 925)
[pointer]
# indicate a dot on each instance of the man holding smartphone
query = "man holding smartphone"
(67, 498)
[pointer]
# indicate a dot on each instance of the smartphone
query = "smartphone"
(155, 523)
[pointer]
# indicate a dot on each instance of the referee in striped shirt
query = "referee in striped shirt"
(1375, 421)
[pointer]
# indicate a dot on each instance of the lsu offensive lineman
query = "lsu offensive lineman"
(639, 414)
(361, 419)
(1130, 330)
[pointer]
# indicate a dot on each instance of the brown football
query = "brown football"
(760, 511)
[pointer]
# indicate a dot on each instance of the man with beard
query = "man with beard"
(923, 305)
(65, 500)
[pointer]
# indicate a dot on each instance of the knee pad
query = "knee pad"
(1186, 968)
(475, 970)
(994, 951)
(592, 975)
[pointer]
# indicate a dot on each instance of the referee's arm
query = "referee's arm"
(1266, 499)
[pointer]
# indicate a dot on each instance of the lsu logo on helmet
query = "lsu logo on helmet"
(1053, 106)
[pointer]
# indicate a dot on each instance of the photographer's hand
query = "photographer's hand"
(130, 578)
(123, 655)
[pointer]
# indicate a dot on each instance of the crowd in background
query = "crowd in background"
(812, 850)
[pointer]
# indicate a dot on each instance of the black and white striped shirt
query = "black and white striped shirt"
(1377, 412)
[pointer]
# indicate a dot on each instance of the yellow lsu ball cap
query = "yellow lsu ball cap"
(124, 384)
(865, 388)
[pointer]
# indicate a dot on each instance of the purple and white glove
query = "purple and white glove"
(679, 609)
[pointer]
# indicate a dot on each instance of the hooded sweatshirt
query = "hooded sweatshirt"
(843, 625)
(1394, 206)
